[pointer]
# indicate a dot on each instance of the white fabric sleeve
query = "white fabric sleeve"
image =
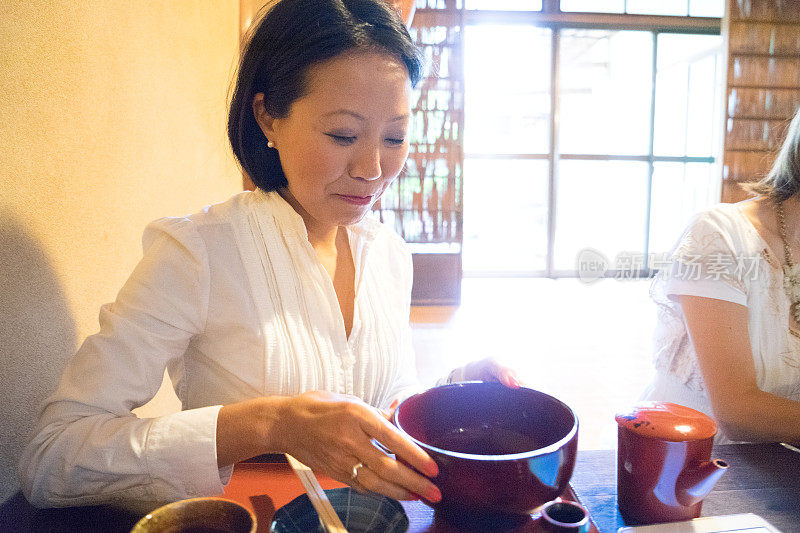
(716, 289)
(88, 447)
(705, 263)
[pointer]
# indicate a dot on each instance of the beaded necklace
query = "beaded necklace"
(791, 272)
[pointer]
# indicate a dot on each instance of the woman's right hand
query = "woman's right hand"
(332, 433)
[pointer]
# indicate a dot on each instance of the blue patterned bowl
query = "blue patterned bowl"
(360, 513)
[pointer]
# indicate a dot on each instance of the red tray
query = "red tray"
(264, 487)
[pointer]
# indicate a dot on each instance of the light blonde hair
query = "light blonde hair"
(783, 180)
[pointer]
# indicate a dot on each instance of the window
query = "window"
(581, 135)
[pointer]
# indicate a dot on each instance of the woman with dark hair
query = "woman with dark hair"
(281, 314)
(728, 336)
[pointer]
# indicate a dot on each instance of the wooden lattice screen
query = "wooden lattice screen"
(425, 203)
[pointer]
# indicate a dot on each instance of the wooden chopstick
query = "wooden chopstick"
(790, 447)
(330, 520)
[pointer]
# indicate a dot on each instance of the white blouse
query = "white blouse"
(234, 302)
(722, 256)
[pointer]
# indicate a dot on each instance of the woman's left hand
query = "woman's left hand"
(487, 370)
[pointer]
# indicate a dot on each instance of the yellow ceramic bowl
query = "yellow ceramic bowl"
(198, 515)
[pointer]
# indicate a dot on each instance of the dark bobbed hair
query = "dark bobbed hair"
(783, 180)
(292, 36)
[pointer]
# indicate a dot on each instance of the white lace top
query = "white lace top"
(722, 256)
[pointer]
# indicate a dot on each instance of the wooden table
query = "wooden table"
(763, 479)
(260, 485)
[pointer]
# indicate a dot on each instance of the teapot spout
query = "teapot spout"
(694, 483)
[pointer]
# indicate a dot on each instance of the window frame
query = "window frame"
(551, 17)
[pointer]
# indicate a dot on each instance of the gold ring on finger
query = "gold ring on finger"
(355, 470)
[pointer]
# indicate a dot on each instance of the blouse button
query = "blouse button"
(348, 361)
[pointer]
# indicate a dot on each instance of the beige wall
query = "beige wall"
(112, 114)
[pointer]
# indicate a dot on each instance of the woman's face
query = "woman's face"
(344, 142)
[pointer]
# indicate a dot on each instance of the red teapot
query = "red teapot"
(664, 466)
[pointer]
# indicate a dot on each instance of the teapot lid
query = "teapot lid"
(667, 421)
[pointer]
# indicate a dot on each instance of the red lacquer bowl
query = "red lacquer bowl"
(499, 450)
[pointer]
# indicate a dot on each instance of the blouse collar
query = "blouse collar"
(290, 220)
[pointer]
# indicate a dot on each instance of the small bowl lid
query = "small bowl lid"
(667, 421)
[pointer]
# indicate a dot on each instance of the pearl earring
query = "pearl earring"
(270, 144)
